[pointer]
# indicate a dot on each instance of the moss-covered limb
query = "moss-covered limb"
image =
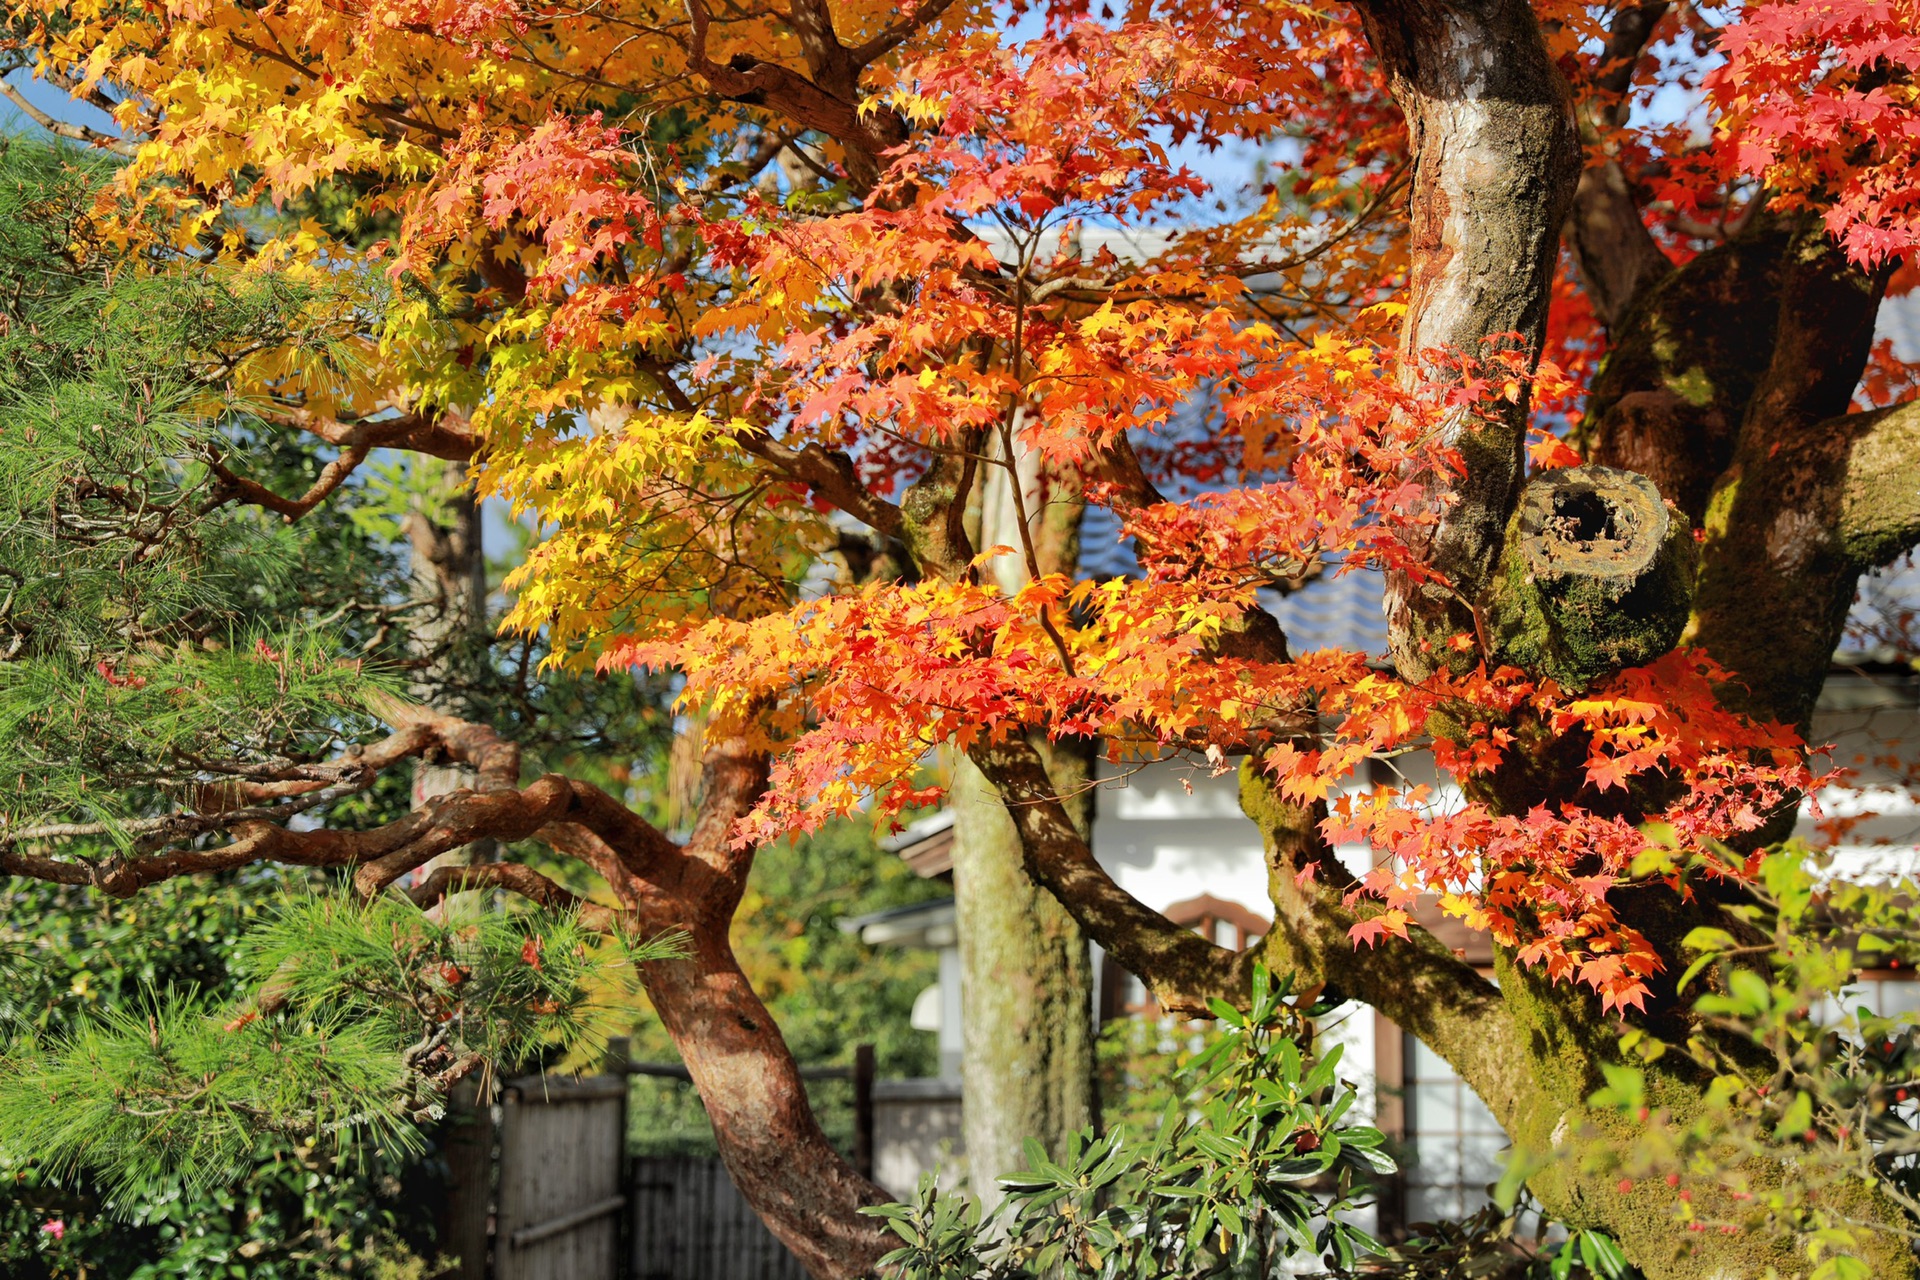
(1582, 1153)
(1026, 983)
(1416, 981)
(1686, 358)
(933, 510)
(1879, 517)
(1788, 536)
(1597, 575)
(1534, 1051)
(1184, 969)
(1821, 340)
(1496, 157)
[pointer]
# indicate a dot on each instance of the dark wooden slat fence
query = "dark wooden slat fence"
(566, 1189)
(562, 1149)
(689, 1223)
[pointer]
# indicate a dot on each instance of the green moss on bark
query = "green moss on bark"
(1026, 985)
(1597, 575)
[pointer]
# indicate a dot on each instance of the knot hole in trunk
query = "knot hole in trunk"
(1596, 575)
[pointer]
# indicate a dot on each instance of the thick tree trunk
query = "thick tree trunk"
(1027, 1064)
(803, 1189)
(1496, 158)
(1026, 987)
(806, 1192)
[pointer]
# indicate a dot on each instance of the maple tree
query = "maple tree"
(724, 293)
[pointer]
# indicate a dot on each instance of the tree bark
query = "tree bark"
(806, 1192)
(448, 579)
(1026, 988)
(1776, 577)
(1685, 359)
(1496, 157)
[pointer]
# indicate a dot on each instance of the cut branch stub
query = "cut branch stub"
(1597, 575)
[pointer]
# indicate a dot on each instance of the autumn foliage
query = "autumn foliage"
(715, 290)
(558, 267)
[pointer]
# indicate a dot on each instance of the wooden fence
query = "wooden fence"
(566, 1188)
(562, 1149)
(689, 1223)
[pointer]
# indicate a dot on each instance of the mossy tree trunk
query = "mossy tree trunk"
(1026, 986)
(1535, 1052)
(1027, 1061)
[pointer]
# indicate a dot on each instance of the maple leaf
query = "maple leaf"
(1393, 921)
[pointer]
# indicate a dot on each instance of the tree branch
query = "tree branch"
(62, 129)
(1415, 981)
(899, 33)
(864, 136)
(1183, 969)
(830, 474)
(1616, 255)
(442, 433)
(516, 878)
(331, 477)
(1776, 578)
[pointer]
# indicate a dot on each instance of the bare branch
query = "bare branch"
(62, 129)
(444, 433)
(516, 878)
(900, 32)
(331, 477)
(1616, 255)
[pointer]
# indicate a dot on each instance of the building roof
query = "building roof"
(925, 844)
(928, 925)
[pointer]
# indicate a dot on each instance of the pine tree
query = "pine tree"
(185, 653)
